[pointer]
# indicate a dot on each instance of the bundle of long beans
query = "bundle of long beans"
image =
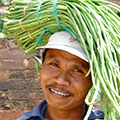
(93, 22)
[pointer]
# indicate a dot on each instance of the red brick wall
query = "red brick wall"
(19, 87)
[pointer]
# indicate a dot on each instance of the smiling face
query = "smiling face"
(63, 79)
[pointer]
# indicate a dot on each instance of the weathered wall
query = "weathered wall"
(19, 87)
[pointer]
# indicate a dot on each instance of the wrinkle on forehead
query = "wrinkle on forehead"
(74, 60)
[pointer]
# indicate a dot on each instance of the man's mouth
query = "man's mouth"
(59, 93)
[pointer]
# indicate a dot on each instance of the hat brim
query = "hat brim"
(66, 48)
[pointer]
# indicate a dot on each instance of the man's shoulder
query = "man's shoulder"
(36, 114)
(96, 114)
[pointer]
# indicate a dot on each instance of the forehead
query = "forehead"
(63, 55)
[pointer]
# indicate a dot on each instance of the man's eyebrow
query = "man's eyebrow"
(81, 65)
(52, 57)
(75, 63)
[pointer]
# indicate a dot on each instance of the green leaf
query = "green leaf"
(36, 66)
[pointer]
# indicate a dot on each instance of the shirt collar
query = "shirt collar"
(96, 114)
(39, 111)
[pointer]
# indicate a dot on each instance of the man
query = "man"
(63, 81)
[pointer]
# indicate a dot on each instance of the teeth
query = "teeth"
(59, 93)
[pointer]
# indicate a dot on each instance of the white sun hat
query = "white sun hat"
(63, 40)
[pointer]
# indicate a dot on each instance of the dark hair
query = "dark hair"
(43, 55)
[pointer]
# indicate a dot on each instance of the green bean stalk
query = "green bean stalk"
(94, 23)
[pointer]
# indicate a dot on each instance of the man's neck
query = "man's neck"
(72, 114)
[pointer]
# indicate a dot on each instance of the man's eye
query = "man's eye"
(53, 64)
(78, 70)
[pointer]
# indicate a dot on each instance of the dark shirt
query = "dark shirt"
(39, 112)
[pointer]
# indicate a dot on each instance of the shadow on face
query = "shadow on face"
(63, 79)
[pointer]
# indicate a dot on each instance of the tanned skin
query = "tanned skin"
(64, 85)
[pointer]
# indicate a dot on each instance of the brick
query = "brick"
(14, 114)
(3, 95)
(20, 84)
(17, 75)
(4, 75)
(35, 84)
(7, 43)
(12, 54)
(16, 64)
(33, 103)
(7, 104)
(15, 105)
(3, 99)
(3, 43)
(7, 75)
(30, 74)
(25, 94)
(10, 114)
(22, 74)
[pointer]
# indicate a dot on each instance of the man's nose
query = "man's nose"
(63, 79)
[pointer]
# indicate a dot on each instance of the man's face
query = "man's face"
(63, 79)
